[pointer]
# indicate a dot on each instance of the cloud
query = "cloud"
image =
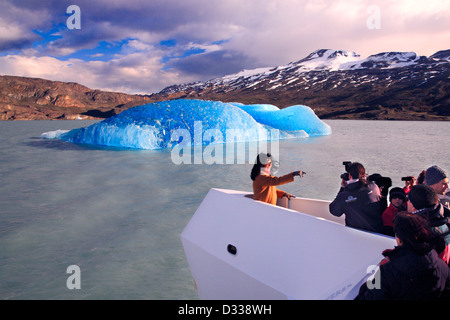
(16, 26)
(138, 72)
(143, 46)
(209, 65)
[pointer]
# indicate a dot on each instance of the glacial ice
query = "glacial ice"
(166, 124)
(53, 134)
(292, 118)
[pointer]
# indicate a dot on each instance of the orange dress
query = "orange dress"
(264, 187)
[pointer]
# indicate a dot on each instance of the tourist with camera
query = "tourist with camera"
(358, 200)
(410, 181)
(383, 183)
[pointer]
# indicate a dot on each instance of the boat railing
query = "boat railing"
(314, 207)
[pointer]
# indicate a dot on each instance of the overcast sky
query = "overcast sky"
(139, 46)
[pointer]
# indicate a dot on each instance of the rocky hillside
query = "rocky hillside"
(340, 84)
(335, 84)
(38, 99)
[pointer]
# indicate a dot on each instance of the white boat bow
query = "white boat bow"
(239, 248)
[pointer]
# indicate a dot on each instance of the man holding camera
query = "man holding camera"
(358, 200)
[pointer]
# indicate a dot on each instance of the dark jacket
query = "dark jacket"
(361, 205)
(439, 219)
(410, 276)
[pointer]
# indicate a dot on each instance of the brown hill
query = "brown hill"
(38, 99)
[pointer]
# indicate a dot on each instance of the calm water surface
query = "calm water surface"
(118, 214)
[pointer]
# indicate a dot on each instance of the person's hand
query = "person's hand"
(410, 183)
(299, 173)
(383, 261)
(386, 258)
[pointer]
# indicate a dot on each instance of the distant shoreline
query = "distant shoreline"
(323, 119)
(23, 98)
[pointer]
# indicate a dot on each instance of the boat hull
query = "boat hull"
(239, 248)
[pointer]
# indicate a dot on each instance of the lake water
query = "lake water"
(118, 214)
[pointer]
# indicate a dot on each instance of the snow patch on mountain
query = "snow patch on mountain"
(305, 70)
(331, 60)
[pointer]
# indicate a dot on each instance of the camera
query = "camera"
(345, 175)
(407, 178)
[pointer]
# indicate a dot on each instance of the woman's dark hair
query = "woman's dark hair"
(260, 162)
(421, 177)
(357, 171)
(415, 232)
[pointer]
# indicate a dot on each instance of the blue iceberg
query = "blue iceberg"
(166, 124)
(292, 118)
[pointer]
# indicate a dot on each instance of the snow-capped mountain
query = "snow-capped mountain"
(319, 60)
(335, 83)
(441, 55)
